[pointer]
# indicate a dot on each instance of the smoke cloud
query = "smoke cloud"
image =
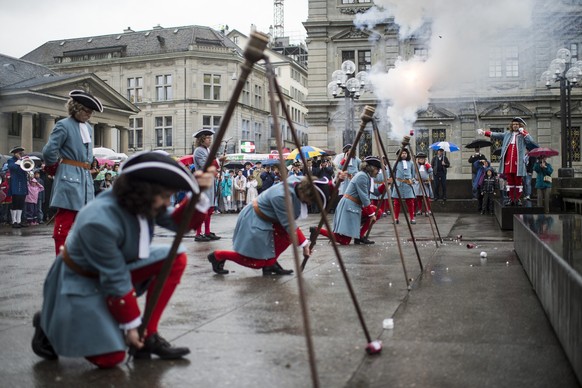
(458, 35)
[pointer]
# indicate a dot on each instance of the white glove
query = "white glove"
(480, 131)
(521, 130)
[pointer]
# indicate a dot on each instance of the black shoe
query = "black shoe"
(276, 269)
(364, 240)
(212, 236)
(16, 225)
(396, 222)
(40, 343)
(217, 266)
(201, 237)
(155, 344)
(23, 225)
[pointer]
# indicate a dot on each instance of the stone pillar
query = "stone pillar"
(107, 131)
(26, 133)
(123, 140)
(48, 123)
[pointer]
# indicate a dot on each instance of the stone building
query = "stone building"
(509, 83)
(180, 78)
(33, 97)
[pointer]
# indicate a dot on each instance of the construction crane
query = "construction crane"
(278, 19)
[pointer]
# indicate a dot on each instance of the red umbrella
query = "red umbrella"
(186, 160)
(543, 151)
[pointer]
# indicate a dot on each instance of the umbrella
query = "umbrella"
(103, 152)
(497, 152)
(543, 151)
(186, 160)
(307, 151)
(479, 143)
(103, 161)
(445, 145)
(37, 154)
(270, 162)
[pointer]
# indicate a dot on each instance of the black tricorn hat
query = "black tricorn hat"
(346, 147)
(518, 120)
(420, 155)
(155, 167)
(87, 100)
(16, 149)
(203, 132)
(374, 161)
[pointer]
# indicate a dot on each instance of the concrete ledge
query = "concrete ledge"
(548, 247)
(504, 214)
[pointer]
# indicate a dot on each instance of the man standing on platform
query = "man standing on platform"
(440, 163)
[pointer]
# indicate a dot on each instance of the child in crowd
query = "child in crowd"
(106, 183)
(226, 190)
(240, 189)
(488, 188)
(252, 191)
(31, 201)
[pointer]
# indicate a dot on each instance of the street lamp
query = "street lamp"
(349, 86)
(561, 70)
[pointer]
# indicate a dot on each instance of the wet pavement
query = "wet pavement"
(466, 321)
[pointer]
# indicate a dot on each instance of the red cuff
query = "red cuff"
(52, 169)
(488, 133)
(124, 308)
(382, 188)
(427, 166)
(525, 133)
(197, 217)
(300, 236)
(369, 210)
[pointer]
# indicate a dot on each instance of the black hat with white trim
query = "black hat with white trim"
(518, 120)
(87, 100)
(346, 147)
(374, 161)
(16, 149)
(203, 132)
(155, 167)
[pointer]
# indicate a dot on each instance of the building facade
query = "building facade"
(510, 85)
(180, 78)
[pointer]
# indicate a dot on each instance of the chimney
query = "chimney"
(128, 29)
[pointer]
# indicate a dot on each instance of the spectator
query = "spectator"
(487, 190)
(227, 188)
(268, 178)
(106, 183)
(34, 188)
(5, 200)
(480, 166)
(544, 172)
(472, 159)
(530, 161)
(240, 190)
(440, 163)
(252, 192)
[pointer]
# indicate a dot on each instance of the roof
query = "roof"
(130, 43)
(14, 71)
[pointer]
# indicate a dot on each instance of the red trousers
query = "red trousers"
(420, 203)
(514, 186)
(63, 222)
(109, 360)
(206, 222)
(282, 242)
(409, 205)
(345, 240)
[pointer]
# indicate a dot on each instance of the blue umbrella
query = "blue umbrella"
(445, 145)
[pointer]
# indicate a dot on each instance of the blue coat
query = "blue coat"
(541, 173)
(200, 156)
(521, 142)
(406, 190)
(18, 179)
(253, 236)
(104, 239)
(72, 186)
(425, 177)
(348, 214)
(352, 169)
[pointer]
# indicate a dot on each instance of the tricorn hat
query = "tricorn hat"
(518, 120)
(203, 132)
(346, 147)
(374, 161)
(16, 149)
(87, 100)
(155, 167)
(420, 155)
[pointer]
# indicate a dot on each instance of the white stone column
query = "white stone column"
(123, 140)
(26, 132)
(106, 135)
(48, 123)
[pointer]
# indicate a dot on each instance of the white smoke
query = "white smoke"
(460, 33)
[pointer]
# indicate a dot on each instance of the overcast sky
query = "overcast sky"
(27, 24)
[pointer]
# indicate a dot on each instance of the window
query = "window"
(135, 133)
(211, 122)
(163, 87)
(497, 144)
(246, 131)
(364, 59)
(246, 93)
(135, 89)
(575, 144)
(574, 52)
(356, 1)
(37, 127)
(421, 53)
(212, 86)
(14, 128)
(258, 97)
(504, 62)
(438, 134)
(163, 130)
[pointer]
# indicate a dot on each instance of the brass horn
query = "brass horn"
(27, 164)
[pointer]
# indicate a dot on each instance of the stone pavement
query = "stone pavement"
(465, 322)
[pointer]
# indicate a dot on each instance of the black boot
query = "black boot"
(40, 343)
(212, 236)
(155, 344)
(276, 269)
(217, 266)
(363, 240)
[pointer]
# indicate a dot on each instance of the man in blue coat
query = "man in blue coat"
(68, 155)
(18, 188)
(90, 294)
(262, 228)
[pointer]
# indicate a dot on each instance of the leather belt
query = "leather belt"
(262, 215)
(353, 199)
(76, 267)
(407, 181)
(76, 163)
